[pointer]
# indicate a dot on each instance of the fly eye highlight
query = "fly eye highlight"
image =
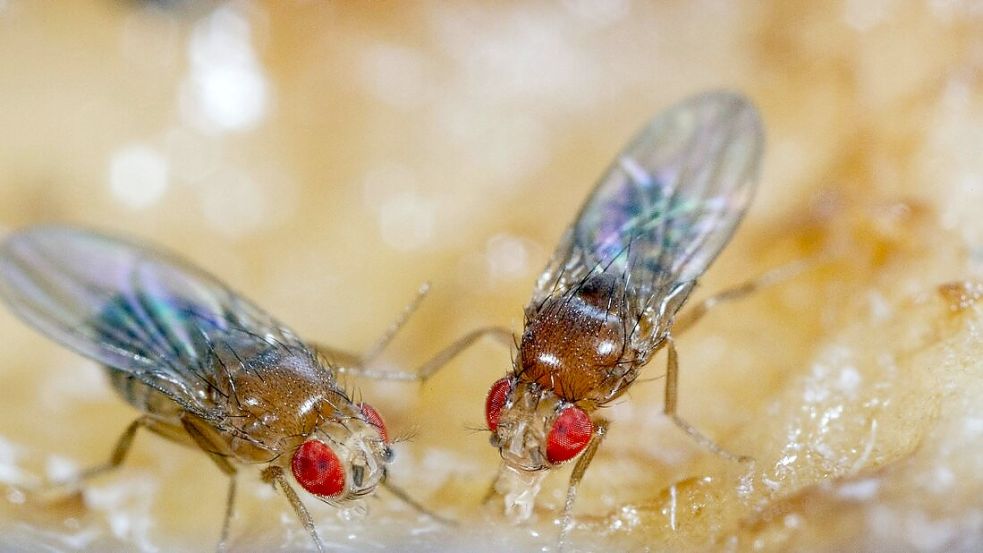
(375, 419)
(570, 434)
(495, 402)
(318, 469)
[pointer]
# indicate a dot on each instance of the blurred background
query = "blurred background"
(327, 158)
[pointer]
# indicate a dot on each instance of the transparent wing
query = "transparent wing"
(133, 309)
(668, 204)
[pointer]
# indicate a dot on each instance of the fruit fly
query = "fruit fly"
(608, 299)
(205, 366)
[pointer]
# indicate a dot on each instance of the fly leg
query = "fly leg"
(383, 341)
(444, 356)
(355, 365)
(55, 488)
(401, 494)
(274, 475)
(693, 315)
(672, 397)
(230, 501)
(358, 365)
(566, 519)
(352, 363)
(116, 459)
(204, 439)
(774, 276)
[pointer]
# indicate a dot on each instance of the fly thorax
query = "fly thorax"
(276, 396)
(576, 343)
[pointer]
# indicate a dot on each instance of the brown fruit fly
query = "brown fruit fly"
(608, 299)
(203, 365)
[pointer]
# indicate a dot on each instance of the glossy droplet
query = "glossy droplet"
(317, 469)
(570, 434)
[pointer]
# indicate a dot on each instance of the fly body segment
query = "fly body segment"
(607, 301)
(203, 365)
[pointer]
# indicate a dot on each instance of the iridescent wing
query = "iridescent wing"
(667, 206)
(135, 309)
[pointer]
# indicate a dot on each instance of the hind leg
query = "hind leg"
(116, 458)
(672, 403)
(692, 315)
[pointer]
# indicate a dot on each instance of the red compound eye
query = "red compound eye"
(375, 419)
(317, 469)
(496, 401)
(571, 431)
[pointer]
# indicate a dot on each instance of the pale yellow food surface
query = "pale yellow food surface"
(326, 158)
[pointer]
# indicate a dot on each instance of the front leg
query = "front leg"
(348, 363)
(274, 475)
(566, 519)
(401, 494)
